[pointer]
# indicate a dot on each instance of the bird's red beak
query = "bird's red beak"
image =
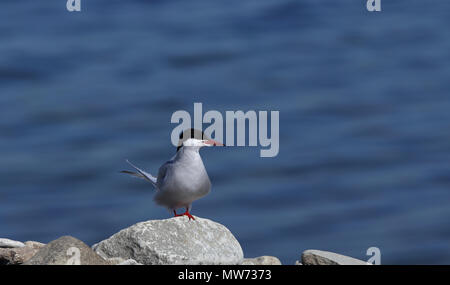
(214, 143)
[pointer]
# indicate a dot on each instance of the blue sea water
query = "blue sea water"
(364, 102)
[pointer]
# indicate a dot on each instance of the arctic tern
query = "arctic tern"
(183, 179)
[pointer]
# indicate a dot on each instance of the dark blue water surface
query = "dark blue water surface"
(364, 101)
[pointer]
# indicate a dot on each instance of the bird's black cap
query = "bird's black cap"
(191, 134)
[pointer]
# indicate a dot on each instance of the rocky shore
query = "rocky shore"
(170, 241)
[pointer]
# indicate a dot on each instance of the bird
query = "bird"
(183, 179)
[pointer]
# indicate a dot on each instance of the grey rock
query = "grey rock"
(174, 241)
(130, 262)
(17, 255)
(121, 261)
(319, 257)
(66, 250)
(115, 260)
(34, 244)
(9, 243)
(262, 260)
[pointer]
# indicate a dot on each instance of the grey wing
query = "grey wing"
(141, 174)
(163, 172)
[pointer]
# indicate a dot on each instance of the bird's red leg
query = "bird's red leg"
(188, 214)
(184, 214)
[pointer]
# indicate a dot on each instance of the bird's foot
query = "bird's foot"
(189, 215)
(184, 214)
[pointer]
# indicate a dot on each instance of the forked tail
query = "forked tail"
(140, 173)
